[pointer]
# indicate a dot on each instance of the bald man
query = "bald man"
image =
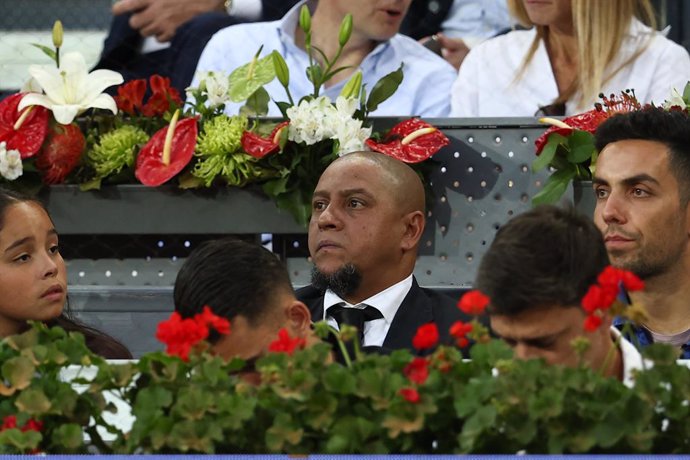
(367, 220)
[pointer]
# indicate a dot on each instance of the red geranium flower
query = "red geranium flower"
(9, 422)
(61, 153)
(459, 331)
(33, 425)
(258, 146)
(32, 132)
(426, 337)
(474, 302)
(207, 317)
(150, 169)
(286, 344)
(612, 276)
(130, 96)
(592, 323)
(162, 94)
(411, 141)
(180, 335)
(410, 395)
(599, 298)
(417, 371)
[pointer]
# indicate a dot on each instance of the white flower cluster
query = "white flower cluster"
(318, 119)
(10, 163)
(675, 100)
(216, 85)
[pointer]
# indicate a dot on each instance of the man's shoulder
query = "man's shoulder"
(254, 30)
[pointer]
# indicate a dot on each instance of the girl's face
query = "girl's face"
(33, 280)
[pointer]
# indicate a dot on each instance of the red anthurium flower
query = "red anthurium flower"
(473, 302)
(588, 121)
(459, 331)
(410, 395)
(417, 371)
(32, 131)
(410, 141)
(592, 323)
(426, 337)
(161, 96)
(61, 153)
(286, 344)
(258, 146)
(150, 169)
(130, 96)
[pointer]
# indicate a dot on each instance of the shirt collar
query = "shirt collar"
(387, 301)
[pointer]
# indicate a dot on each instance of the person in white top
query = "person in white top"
(535, 273)
(574, 50)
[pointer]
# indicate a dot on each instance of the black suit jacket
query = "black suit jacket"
(424, 18)
(419, 307)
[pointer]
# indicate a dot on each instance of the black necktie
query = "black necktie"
(354, 316)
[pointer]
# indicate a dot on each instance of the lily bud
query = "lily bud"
(281, 69)
(353, 87)
(305, 19)
(345, 30)
(57, 34)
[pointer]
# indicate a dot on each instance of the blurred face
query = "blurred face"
(639, 209)
(355, 220)
(33, 280)
(372, 19)
(549, 12)
(547, 333)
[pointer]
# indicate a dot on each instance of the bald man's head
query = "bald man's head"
(401, 180)
(367, 218)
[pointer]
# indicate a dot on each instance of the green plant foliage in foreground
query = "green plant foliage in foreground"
(304, 403)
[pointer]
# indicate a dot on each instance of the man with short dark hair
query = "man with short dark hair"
(642, 184)
(246, 284)
(367, 219)
(536, 272)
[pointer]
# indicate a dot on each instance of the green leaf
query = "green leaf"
(548, 152)
(257, 104)
(581, 147)
(339, 380)
(482, 420)
(68, 436)
(33, 401)
(18, 371)
(384, 88)
(315, 74)
(686, 93)
(555, 187)
(245, 80)
(50, 52)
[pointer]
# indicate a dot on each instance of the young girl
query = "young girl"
(33, 279)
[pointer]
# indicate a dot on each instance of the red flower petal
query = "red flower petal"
(61, 153)
(592, 323)
(150, 169)
(588, 121)
(162, 95)
(417, 371)
(286, 344)
(30, 136)
(258, 146)
(473, 302)
(130, 96)
(426, 336)
(410, 395)
(417, 150)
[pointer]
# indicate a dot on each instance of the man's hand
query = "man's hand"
(453, 50)
(161, 18)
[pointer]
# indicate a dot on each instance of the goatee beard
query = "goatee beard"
(343, 282)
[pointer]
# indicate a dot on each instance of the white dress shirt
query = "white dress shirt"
(387, 302)
(423, 91)
(486, 85)
(632, 359)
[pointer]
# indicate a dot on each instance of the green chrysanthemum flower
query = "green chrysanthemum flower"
(116, 150)
(221, 135)
(237, 169)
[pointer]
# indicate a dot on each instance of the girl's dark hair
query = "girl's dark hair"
(97, 341)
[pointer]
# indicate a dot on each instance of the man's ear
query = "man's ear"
(298, 318)
(414, 227)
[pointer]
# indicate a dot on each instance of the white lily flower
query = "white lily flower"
(10, 163)
(675, 100)
(71, 89)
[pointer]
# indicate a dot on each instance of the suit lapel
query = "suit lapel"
(414, 311)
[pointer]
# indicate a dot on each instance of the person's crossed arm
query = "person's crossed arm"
(161, 18)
